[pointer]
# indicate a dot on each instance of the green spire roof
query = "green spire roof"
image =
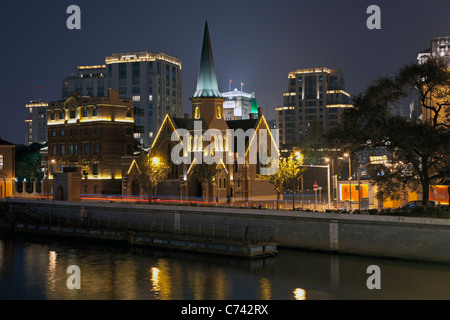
(207, 86)
(254, 104)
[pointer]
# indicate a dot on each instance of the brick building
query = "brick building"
(7, 169)
(91, 133)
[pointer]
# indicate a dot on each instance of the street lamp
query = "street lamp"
(328, 180)
(349, 176)
(155, 161)
(219, 171)
(298, 157)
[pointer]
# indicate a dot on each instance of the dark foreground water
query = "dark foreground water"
(36, 268)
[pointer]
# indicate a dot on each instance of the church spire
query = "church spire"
(207, 86)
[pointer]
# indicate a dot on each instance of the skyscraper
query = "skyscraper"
(314, 95)
(36, 122)
(439, 49)
(151, 80)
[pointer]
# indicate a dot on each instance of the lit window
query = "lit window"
(219, 114)
(197, 113)
(1, 162)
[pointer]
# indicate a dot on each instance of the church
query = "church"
(241, 149)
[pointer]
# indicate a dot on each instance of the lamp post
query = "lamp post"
(50, 187)
(219, 171)
(349, 176)
(359, 181)
(298, 156)
(328, 179)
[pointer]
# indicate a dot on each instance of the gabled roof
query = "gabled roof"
(188, 124)
(5, 143)
(207, 86)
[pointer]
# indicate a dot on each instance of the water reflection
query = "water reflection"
(51, 270)
(161, 280)
(299, 294)
(35, 268)
(266, 289)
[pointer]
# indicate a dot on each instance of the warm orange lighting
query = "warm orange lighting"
(439, 193)
(345, 191)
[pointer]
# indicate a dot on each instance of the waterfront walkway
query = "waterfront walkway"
(416, 238)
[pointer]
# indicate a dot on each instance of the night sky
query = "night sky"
(256, 42)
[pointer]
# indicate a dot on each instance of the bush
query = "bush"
(422, 211)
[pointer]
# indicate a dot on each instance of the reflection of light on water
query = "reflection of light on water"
(155, 279)
(299, 294)
(266, 289)
(161, 280)
(51, 269)
(221, 285)
(52, 261)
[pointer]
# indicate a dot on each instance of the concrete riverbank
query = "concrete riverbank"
(423, 239)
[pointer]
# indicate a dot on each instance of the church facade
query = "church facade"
(240, 150)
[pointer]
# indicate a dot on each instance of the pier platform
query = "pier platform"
(219, 240)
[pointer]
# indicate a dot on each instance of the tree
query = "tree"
(28, 163)
(314, 144)
(420, 146)
(430, 82)
(205, 174)
(154, 168)
(288, 169)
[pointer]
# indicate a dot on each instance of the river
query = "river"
(35, 268)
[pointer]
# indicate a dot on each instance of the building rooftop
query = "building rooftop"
(141, 56)
(5, 143)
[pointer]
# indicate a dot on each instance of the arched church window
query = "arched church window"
(219, 114)
(197, 113)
